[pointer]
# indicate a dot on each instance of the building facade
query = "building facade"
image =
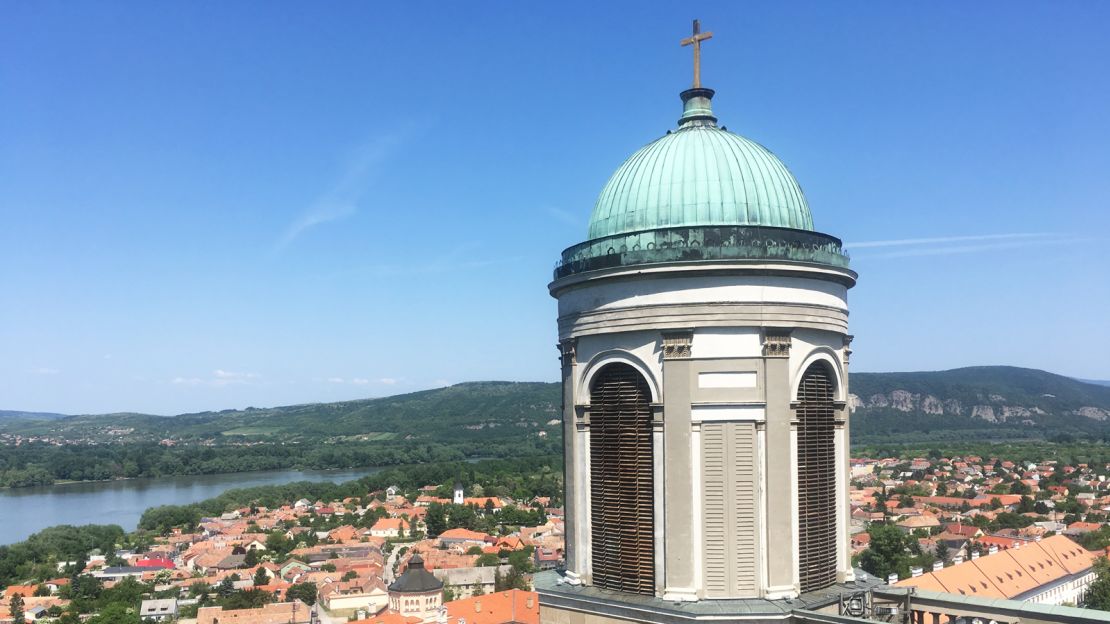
(417, 592)
(704, 343)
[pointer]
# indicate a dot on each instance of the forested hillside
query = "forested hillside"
(998, 402)
(503, 419)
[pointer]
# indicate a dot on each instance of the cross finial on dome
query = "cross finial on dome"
(695, 40)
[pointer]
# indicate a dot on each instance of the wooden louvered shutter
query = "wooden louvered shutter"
(744, 510)
(816, 480)
(621, 481)
(715, 507)
(730, 524)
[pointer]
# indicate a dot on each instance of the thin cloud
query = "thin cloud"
(187, 381)
(44, 370)
(219, 379)
(222, 374)
(565, 216)
(389, 381)
(966, 249)
(904, 242)
(342, 199)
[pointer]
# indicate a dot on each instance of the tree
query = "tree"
(1098, 593)
(226, 587)
(251, 558)
(305, 592)
(487, 559)
(436, 519)
(260, 577)
(115, 613)
(350, 575)
(248, 599)
(1026, 505)
(15, 608)
(942, 550)
(886, 553)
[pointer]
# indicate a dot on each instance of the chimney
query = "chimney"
(477, 606)
(992, 550)
(530, 603)
(891, 579)
(958, 559)
(974, 555)
(938, 565)
(916, 572)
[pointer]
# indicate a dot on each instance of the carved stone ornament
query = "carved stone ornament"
(677, 345)
(568, 351)
(847, 347)
(776, 345)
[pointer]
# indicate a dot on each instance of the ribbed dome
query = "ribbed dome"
(699, 175)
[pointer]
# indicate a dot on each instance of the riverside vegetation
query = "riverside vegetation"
(502, 419)
(37, 558)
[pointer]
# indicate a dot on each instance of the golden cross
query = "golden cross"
(695, 41)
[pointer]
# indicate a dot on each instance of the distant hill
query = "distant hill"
(16, 415)
(467, 411)
(987, 402)
(993, 401)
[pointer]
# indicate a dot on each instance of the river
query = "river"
(24, 511)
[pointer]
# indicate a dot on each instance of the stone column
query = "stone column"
(677, 474)
(780, 469)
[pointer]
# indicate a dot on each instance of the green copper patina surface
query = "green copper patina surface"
(699, 175)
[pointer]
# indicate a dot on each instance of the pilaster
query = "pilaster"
(573, 462)
(843, 446)
(677, 473)
(780, 541)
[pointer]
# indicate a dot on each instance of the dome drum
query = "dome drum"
(694, 243)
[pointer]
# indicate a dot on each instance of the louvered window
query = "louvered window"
(621, 481)
(816, 479)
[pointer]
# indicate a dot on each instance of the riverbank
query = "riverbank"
(26, 510)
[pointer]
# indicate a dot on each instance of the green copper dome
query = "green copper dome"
(699, 175)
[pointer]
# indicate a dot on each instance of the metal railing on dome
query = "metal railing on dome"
(692, 243)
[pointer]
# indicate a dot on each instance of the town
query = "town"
(981, 526)
(442, 553)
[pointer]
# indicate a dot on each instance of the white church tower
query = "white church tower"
(703, 330)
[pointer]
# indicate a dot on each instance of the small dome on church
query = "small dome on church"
(699, 175)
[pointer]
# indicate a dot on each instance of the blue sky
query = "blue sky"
(208, 205)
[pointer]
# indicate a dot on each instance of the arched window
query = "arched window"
(816, 478)
(622, 528)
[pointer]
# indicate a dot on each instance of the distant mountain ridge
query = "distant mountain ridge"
(996, 401)
(992, 402)
(31, 415)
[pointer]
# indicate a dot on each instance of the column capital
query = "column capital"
(776, 343)
(676, 344)
(568, 351)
